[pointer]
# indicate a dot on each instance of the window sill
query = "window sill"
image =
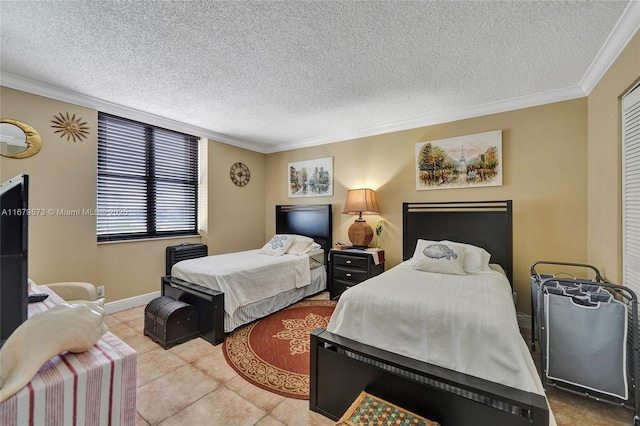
(149, 239)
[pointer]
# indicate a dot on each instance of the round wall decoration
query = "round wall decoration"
(240, 174)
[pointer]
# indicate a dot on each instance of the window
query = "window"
(631, 189)
(147, 181)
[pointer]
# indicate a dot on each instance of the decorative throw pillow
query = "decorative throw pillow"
(441, 258)
(420, 245)
(476, 259)
(278, 245)
(301, 245)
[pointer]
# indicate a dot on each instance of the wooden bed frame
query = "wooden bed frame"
(486, 224)
(311, 220)
(336, 378)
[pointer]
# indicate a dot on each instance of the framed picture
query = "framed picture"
(311, 178)
(462, 162)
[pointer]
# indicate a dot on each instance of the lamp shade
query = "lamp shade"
(361, 201)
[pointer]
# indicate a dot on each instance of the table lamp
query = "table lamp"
(361, 201)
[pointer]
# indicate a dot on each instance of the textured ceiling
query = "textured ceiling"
(272, 76)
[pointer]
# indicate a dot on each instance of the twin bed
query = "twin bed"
(438, 339)
(443, 345)
(250, 285)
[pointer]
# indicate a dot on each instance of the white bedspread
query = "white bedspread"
(464, 323)
(245, 277)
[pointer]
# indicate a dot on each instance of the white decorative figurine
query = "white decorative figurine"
(65, 327)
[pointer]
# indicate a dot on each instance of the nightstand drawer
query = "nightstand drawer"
(352, 261)
(350, 274)
(340, 286)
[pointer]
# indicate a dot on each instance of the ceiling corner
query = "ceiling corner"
(623, 32)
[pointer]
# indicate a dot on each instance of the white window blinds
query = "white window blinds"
(147, 181)
(631, 189)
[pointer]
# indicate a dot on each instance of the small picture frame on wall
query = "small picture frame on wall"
(468, 161)
(311, 178)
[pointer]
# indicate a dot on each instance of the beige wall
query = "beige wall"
(605, 178)
(236, 214)
(63, 176)
(545, 174)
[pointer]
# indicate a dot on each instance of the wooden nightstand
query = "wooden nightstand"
(350, 267)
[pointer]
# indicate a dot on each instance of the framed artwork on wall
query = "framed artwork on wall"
(311, 178)
(468, 161)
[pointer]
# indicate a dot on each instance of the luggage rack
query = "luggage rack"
(587, 330)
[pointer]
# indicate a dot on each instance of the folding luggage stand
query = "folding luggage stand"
(587, 330)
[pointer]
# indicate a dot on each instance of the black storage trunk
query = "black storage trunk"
(184, 251)
(170, 322)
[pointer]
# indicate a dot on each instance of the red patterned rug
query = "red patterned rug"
(273, 353)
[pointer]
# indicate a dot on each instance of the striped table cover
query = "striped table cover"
(96, 387)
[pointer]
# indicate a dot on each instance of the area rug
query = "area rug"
(273, 353)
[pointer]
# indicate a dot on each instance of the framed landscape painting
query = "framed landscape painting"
(469, 161)
(311, 178)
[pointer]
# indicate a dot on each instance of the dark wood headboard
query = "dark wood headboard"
(311, 220)
(486, 224)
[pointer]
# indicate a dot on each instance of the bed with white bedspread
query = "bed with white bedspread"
(438, 333)
(413, 313)
(233, 289)
(250, 277)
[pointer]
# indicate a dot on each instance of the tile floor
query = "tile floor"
(571, 409)
(192, 384)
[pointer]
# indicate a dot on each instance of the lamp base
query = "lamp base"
(360, 234)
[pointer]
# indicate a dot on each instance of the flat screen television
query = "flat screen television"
(14, 290)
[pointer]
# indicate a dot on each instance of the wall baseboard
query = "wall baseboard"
(131, 302)
(524, 321)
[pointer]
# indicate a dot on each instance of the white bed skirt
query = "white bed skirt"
(253, 311)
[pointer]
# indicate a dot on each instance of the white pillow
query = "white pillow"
(420, 245)
(476, 259)
(278, 245)
(301, 245)
(440, 258)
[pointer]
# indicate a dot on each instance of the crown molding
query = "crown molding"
(19, 83)
(447, 117)
(622, 33)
